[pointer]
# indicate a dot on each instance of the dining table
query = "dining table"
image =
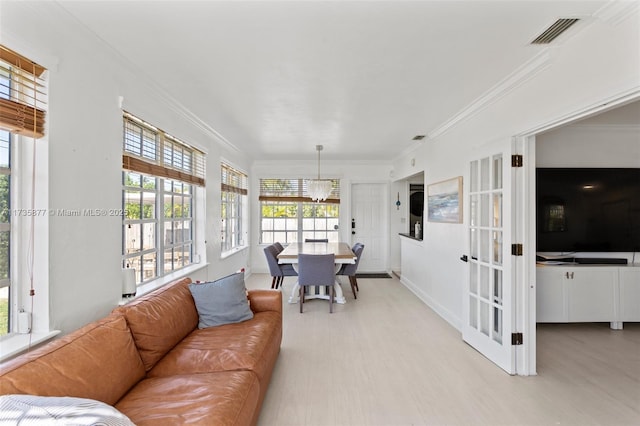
(342, 252)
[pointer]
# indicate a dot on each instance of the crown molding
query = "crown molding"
(619, 99)
(607, 127)
(525, 72)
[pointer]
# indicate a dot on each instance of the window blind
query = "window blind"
(23, 96)
(293, 190)
(233, 180)
(149, 150)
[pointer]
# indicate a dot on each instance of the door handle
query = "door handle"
(464, 258)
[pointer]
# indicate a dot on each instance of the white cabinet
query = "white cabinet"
(588, 294)
(551, 297)
(629, 294)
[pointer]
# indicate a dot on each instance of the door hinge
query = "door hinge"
(516, 249)
(516, 339)
(516, 160)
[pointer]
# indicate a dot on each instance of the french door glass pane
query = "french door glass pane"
(473, 209)
(497, 210)
(497, 247)
(484, 317)
(497, 287)
(473, 177)
(484, 174)
(484, 210)
(485, 283)
(473, 279)
(473, 312)
(497, 172)
(497, 324)
(474, 243)
(484, 245)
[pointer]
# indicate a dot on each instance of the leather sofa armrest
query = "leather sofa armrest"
(265, 300)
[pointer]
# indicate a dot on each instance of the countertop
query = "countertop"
(410, 235)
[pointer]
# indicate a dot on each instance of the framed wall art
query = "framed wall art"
(444, 200)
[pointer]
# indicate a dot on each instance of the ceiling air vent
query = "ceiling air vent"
(551, 33)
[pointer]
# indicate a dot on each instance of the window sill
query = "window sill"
(232, 252)
(150, 286)
(16, 343)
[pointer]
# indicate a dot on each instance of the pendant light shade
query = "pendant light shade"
(319, 189)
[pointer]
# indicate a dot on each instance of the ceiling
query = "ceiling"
(361, 78)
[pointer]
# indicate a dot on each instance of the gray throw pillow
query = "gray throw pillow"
(223, 301)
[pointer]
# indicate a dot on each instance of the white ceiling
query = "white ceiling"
(360, 77)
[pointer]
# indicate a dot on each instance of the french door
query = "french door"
(489, 293)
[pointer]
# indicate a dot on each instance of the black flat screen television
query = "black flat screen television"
(588, 209)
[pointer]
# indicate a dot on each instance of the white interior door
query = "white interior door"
(489, 294)
(369, 225)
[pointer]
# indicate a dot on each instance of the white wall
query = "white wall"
(87, 84)
(592, 68)
(584, 145)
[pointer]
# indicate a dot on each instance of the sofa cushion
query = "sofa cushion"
(57, 410)
(161, 319)
(224, 398)
(249, 345)
(98, 361)
(223, 301)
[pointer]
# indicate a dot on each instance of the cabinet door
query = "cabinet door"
(551, 295)
(629, 294)
(591, 293)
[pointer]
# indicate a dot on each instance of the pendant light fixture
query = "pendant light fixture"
(319, 189)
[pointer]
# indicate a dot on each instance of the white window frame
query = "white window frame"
(168, 155)
(297, 228)
(28, 213)
(234, 207)
(163, 238)
(5, 226)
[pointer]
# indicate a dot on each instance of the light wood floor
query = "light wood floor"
(387, 359)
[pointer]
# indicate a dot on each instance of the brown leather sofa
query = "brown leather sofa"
(149, 360)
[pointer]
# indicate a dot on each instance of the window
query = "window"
(22, 118)
(5, 230)
(160, 177)
(233, 204)
(288, 216)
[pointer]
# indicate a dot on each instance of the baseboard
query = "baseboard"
(443, 312)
